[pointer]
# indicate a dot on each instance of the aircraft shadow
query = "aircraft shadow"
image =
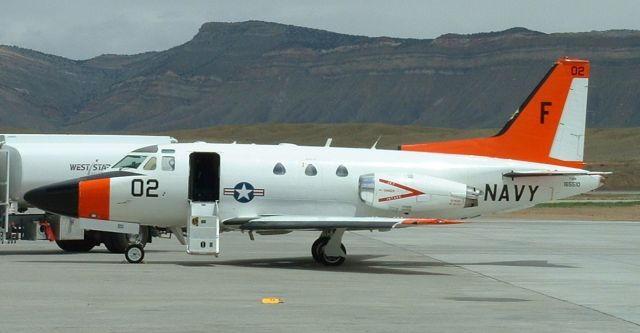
(365, 263)
(354, 264)
(368, 264)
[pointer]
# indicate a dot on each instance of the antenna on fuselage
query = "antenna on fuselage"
(376, 143)
(328, 143)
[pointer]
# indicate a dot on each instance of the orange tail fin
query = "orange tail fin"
(548, 127)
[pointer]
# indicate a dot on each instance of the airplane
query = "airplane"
(275, 189)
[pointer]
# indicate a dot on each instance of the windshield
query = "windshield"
(130, 161)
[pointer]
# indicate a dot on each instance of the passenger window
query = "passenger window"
(168, 163)
(151, 164)
(342, 171)
(310, 170)
(279, 169)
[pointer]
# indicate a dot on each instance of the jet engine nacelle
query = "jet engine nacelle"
(415, 193)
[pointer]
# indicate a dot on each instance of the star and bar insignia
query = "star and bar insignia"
(244, 192)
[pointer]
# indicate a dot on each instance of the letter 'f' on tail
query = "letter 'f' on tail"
(549, 127)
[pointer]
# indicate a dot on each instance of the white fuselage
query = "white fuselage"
(250, 187)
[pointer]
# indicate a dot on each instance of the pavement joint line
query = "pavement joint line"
(502, 281)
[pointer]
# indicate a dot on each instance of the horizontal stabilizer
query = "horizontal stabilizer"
(548, 173)
(323, 223)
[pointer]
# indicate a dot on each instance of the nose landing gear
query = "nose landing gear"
(134, 253)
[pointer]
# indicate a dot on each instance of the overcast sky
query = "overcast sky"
(81, 29)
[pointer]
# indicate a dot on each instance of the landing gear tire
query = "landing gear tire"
(333, 261)
(80, 245)
(317, 251)
(134, 253)
(316, 248)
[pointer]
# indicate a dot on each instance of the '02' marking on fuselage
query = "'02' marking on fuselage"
(508, 192)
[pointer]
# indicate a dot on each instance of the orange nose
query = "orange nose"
(93, 198)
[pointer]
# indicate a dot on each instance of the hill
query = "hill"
(259, 72)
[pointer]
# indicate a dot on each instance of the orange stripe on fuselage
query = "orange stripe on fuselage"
(93, 198)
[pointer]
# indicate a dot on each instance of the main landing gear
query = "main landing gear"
(328, 249)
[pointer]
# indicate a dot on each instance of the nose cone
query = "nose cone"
(59, 198)
(76, 198)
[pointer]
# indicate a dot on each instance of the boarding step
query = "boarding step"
(203, 229)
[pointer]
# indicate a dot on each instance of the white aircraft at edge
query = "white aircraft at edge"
(273, 189)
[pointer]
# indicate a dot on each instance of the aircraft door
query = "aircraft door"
(204, 177)
(203, 225)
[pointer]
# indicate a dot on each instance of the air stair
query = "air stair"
(203, 228)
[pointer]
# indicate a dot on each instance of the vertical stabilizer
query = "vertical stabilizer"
(549, 126)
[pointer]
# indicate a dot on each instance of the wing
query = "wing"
(547, 173)
(284, 222)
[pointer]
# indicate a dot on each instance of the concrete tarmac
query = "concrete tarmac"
(483, 276)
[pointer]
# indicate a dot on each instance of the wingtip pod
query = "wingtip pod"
(548, 127)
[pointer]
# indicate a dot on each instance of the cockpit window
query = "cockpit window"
(130, 161)
(151, 164)
(168, 163)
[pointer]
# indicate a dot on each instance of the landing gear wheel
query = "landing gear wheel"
(316, 248)
(134, 253)
(333, 261)
(317, 251)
